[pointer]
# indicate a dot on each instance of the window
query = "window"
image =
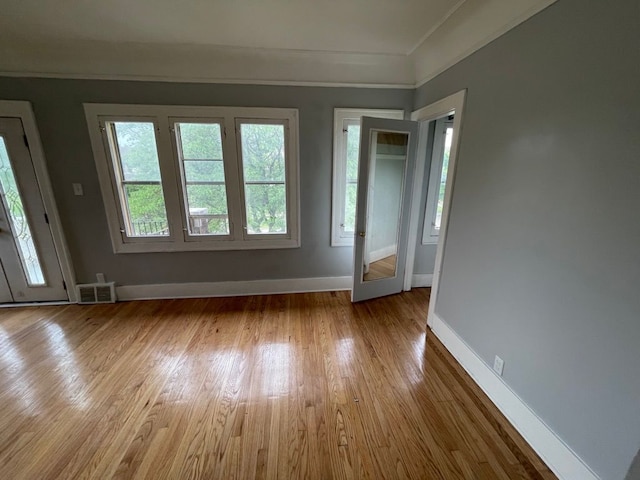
(204, 188)
(197, 178)
(346, 149)
(263, 169)
(437, 179)
(132, 147)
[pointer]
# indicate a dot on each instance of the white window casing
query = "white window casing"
(187, 225)
(343, 118)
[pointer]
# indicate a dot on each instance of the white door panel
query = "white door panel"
(30, 271)
(385, 181)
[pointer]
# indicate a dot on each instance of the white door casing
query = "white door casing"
(21, 111)
(453, 104)
(27, 252)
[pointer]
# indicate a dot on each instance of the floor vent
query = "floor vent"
(96, 293)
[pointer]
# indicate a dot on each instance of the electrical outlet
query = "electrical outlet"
(498, 365)
(77, 189)
(100, 277)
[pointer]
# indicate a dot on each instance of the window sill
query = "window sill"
(204, 246)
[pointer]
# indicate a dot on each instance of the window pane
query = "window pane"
(19, 224)
(204, 171)
(353, 151)
(207, 210)
(266, 208)
(263, 152)
(201, 154)
(443, 177)
(201, 141)
(350, 208)
(263, 164)
(147, 216)
(138, 153)
(351, 169)
(143, 206)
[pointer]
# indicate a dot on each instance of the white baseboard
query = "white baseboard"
(232, 289)
(421, 280)
(563, 461)
(383, 252)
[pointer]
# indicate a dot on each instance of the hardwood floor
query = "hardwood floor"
(383, 268)
(280, 386)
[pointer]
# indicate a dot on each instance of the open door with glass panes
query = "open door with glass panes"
(29, 266)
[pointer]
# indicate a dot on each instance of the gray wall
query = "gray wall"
(542, 260)
(60, 117)
(634, 470)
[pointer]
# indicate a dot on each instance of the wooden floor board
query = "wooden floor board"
(270, 387)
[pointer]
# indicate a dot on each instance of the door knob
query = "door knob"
(361, 234)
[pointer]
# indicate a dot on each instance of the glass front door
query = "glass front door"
(30, 268)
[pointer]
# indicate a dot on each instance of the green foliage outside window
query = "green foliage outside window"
(136, 143)
(263, 154)
(263, 162)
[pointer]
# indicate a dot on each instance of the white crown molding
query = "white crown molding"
(202, 64)
(557, 455)
(232, 289)
(469, 28)
(436, 26)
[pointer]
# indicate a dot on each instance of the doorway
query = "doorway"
(30, 269)
(394, 267)
(447, 115)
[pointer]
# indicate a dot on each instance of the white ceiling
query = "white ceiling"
(333, 42)
(370, 26)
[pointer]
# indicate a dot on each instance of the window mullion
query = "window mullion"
(291, 179)
(233, 174)
(170, 179)
(118, 178)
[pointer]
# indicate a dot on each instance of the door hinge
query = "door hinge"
(46, 218)
(26, 141)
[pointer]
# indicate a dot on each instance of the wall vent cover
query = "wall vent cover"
(96, 293)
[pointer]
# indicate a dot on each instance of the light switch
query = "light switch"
(77, 189)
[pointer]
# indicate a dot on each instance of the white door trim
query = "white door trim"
(423, 115)
(23, 110)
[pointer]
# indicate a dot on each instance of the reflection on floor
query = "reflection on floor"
(278, 386)
(383, 268)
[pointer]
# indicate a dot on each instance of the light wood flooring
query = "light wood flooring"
(383, 268)
(280, 386)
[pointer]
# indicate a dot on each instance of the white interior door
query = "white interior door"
(30, 270)
(385, 181)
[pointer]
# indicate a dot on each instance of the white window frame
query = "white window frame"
(179, 239)
(342, 117)
(430, 233)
